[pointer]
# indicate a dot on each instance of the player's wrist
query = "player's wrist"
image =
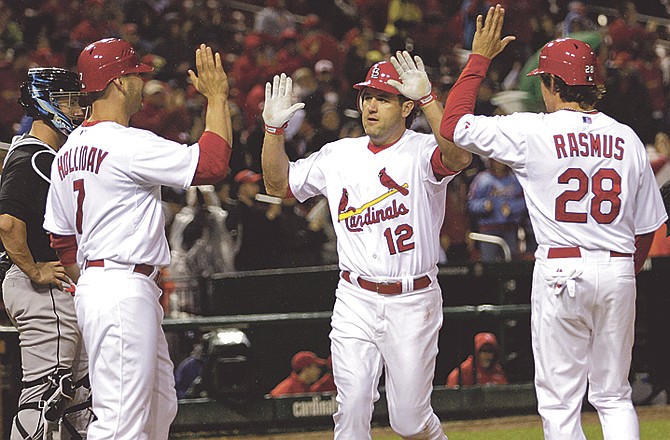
(275, 130)
(430, 97)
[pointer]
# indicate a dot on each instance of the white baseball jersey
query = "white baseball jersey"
(106, 190)
(387, 207)
(581, 174)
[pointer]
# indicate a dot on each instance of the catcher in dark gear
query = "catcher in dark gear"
(54, 396)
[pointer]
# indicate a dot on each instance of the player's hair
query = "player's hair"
(89, 98)
(585, 96)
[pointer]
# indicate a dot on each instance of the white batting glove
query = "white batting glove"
(277, 110)
(415, 83)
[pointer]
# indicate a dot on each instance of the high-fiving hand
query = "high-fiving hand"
(414, 80)
(277, 110)
(487, 40)
(211, 80)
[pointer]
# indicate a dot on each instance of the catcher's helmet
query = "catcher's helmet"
(101, 62)
(378, 76)
(571, 60)
(41, 92)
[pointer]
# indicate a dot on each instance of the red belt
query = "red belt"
(391, 288)
(144, 269)
(574, 252)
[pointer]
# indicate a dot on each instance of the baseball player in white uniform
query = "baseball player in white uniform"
(104, 213)
(386, 192)
(594, 206)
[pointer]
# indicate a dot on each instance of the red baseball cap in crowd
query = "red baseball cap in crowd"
(247, 176)
(303, 359)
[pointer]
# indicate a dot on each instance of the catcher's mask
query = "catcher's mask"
(52, 95)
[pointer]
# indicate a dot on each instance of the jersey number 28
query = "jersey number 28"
(604, 196)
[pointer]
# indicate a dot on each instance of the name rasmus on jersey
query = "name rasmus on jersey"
(589, 145)
(80, 159)
(355, 223)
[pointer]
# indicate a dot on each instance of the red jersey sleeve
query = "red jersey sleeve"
(65, 247)
(439, 168)
(463, 95)
(214, 157)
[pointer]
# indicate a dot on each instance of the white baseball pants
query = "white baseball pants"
(131, 373)
(582, 323)
(398, 333)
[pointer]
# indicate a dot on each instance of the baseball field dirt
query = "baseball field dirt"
(646, 414)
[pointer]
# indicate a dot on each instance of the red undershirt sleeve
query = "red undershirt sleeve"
(463, 95)
(440, 170)
(642, 247)
(214, 158)
(65, 247)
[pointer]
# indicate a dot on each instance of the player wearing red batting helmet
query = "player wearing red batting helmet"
(387, 193)
(571, 60)
(594, 205)
(107, 177)
(384, 77)
(378, 78)
(101, 62)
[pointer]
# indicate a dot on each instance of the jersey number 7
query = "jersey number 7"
(604, 196)
(78, 187)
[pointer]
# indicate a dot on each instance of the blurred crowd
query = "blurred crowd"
(326, 47)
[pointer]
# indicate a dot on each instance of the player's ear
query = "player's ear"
(407, 108)
(118, 83)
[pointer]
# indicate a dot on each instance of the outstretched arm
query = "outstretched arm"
(486, 45)
(215, 143)
(277, 111)
(416, 86)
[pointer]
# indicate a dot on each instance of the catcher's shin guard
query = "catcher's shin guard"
(52, 405)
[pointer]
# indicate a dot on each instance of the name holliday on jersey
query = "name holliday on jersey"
(81, 159)
(589, 144)
(355, 223)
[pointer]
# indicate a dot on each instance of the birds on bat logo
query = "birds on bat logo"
(344, 202)
(388, 182)
(345, 210)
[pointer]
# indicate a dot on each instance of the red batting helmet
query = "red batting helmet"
(101, 62)
(378, 77)
(571, 60)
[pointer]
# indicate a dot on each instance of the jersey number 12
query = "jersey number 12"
(399, 241)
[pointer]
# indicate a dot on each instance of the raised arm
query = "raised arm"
(212, 82)
(416, 86)
(486, 45)
(277, 111)
(216, 141)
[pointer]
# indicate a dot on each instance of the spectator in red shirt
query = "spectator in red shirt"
(326, 383)
(483, 367)
(306, 367)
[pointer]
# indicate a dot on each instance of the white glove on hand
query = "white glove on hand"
(415, 83)
(277, 110)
